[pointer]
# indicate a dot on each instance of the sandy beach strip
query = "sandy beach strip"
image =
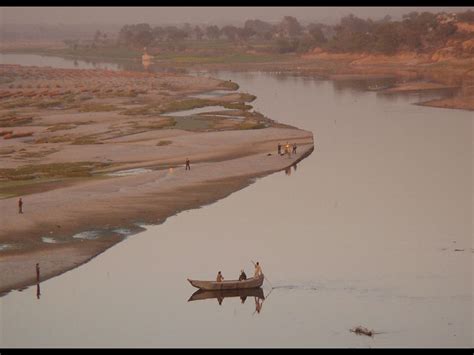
(120, 202)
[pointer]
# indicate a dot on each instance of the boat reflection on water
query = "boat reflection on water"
(256, 293)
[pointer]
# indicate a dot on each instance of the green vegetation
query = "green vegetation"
(247, 97)
(170, 106)
(54, 170)
(229, 85)
(97, 107)
(55, 139)
(192, 123)
(162, 123)
(259, 41)
(61, 127)
(237, 106)
(186, 104)
(92, 139)
(251, 125)
(162, 143)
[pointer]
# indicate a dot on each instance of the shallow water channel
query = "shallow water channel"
(374, 229)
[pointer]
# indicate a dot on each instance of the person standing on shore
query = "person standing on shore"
(287, 149)
(279, 149)
(20, 205)
(294, 148)
(188, 164)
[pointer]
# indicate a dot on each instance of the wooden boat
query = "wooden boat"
(221, 294)
(253, 282)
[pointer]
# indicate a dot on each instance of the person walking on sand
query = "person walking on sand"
(294, 148)
(188, 166)
(219, 277)
(279, 149)
(20, 205)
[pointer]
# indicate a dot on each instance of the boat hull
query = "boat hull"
(221, 294)
(253, 282)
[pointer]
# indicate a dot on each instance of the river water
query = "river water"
(373, 229)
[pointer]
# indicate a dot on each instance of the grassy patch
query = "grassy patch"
(54, 170)
(247, 97)
(171, 106)
(237, 106)
(61, 127)
(162, 123)
(55, 139)
(183, 105)
(135, 111)
(162, 143)
(251, 125)
(97, 107)
(228, 85)
(85, 140)
(17, 103)
(192, 123)
(103, 52)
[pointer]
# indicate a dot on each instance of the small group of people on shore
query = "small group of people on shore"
(287, 149)
(243, 276)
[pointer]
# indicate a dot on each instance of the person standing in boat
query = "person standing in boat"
(258, 270)
(219, 277)
(294, 148)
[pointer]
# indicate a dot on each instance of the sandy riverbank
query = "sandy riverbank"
(116, 203)
(70, 160)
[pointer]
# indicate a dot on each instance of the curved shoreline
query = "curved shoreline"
(123, 201)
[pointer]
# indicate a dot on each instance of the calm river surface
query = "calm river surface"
(363, 232)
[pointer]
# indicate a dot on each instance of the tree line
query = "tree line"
(414, 32)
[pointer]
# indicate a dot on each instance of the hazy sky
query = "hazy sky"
(218, 15)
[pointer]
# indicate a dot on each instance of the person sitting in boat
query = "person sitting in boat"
(219, 278)
(258, 270)
(242, 276)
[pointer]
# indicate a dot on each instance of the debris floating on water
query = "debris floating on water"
(362, 330)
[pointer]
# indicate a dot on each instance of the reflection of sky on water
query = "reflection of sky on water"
(362, 233)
